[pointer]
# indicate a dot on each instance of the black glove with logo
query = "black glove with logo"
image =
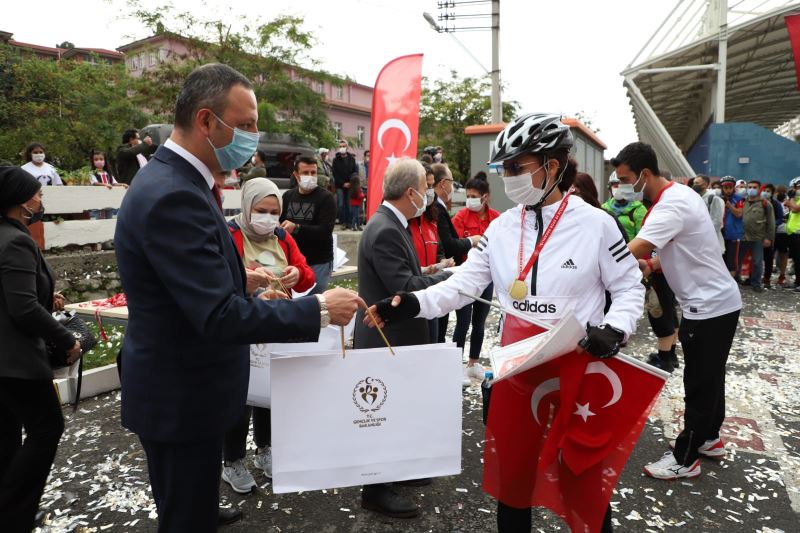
(602, 341)
(408, 308)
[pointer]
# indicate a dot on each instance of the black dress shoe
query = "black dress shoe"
(385, 500)
(657, 362)
(421, 482)
(228, 516)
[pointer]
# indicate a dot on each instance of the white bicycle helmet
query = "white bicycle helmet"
(532, 133)
(795, 182)
(613, 179)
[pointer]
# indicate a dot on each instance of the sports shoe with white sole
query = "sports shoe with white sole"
(711, 449)
(263, 461)
(668, 468)
(238, 477)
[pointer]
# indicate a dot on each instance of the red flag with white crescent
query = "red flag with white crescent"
(559, 435)
(793, 27)
(395, 121)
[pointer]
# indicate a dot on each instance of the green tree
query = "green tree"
(69, 107)
(268, 53)
(447, 107)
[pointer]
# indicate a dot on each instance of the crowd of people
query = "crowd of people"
(201, 287)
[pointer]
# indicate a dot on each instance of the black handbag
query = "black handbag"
(58, 358)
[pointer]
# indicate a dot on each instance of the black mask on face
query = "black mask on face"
(698, 189)
(35, 216)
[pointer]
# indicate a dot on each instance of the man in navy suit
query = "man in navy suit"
(185, 363)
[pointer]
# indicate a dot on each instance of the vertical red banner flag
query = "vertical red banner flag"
(793, 27)
(395, 120)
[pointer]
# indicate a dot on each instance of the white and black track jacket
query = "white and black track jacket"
(584, 257)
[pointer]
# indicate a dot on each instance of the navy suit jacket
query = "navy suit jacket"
(185, 366)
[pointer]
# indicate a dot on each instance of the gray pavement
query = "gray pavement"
(99, 480)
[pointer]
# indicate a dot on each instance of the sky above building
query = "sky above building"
(563, 56)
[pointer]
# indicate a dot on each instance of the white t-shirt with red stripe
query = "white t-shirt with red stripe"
(680, 228)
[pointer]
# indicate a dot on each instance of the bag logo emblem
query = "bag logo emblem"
(369, 394)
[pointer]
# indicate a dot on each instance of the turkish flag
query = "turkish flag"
(793, 27)
(559, 435)
(395, 121)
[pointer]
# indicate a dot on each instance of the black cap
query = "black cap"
(17, 186)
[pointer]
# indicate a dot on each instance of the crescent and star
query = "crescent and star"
(394, 123)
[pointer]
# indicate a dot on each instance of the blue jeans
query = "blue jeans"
(343, 200)
(355, 216)
(322, 272)
(756, 249)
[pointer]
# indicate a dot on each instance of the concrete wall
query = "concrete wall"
(772, 158)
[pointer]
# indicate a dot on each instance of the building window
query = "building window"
(152, 59)
(360, 136)
(319, 86)
(135, 62)
(337, 127)
(162, 55)
(339, 92)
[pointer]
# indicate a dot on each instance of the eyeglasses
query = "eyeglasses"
(515, 169)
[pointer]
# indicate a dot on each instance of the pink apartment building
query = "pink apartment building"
(349, 105)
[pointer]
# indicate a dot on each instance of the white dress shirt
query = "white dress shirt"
(196, 163)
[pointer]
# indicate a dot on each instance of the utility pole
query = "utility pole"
(497, 105)
(722, 61)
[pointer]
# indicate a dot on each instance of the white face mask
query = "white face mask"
(342, 150)
(474, 204)
(520, 189)
(264, 223)
(420, 209)
(430, 196)
(741, 191)
(716, 192)
(629, 192)
(308, 183)
(616, 192)
(37, 158)
(437, 158)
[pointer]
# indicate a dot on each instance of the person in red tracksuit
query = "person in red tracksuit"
(261, 243)
(425, 234)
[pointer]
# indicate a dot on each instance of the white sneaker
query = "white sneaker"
(263, 461)
(712, 448)
(668, 468)
(238, 477)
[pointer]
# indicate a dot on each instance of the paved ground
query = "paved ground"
(99, 481)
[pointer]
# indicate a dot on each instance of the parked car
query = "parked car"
(281, 149)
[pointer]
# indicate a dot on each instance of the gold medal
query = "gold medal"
(518, 290)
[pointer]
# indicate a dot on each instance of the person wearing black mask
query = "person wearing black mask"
(27, 398)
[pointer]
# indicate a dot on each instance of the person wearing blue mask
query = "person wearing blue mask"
(759, 230)
(185, 362)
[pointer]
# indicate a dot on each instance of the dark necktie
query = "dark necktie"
(217, 195)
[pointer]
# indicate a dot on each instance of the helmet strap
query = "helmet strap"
(549, 191)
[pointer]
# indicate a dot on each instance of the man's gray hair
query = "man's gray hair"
(405, 173)
(206, 87)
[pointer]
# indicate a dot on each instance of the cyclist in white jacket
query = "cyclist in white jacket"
(582, 255)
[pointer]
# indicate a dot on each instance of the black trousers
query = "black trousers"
(732, 256)
(474, 313)
(236, 439)
(24, 466)
(706, 345)
(769, 261)
(184, 477)
(513, 520)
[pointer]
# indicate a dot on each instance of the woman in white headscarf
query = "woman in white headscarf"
(266, 246)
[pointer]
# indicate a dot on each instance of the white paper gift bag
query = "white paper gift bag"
(258, 391)
(368, 418)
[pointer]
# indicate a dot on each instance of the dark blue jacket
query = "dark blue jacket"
(185, 362)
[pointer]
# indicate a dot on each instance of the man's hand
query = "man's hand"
(767, 243)
(272, 294)
(402, 306)
(58, 301)
(108, 186)
(291, 275)
(602, 341)
(147, 140)
(645, 268)
(346, 185)
(475, 239)
(256, 279)
(289, 226)
(342, 305)
(74, 353)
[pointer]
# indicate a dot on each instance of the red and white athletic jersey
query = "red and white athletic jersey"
(585, 256)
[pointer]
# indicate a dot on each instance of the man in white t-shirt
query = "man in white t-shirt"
(679, 229)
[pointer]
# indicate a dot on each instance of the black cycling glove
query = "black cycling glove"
(408, 308)
(602, 341)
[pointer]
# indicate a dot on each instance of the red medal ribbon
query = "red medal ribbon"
(655, 201)
(545, 236)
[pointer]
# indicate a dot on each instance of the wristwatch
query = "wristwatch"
(324, 316)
